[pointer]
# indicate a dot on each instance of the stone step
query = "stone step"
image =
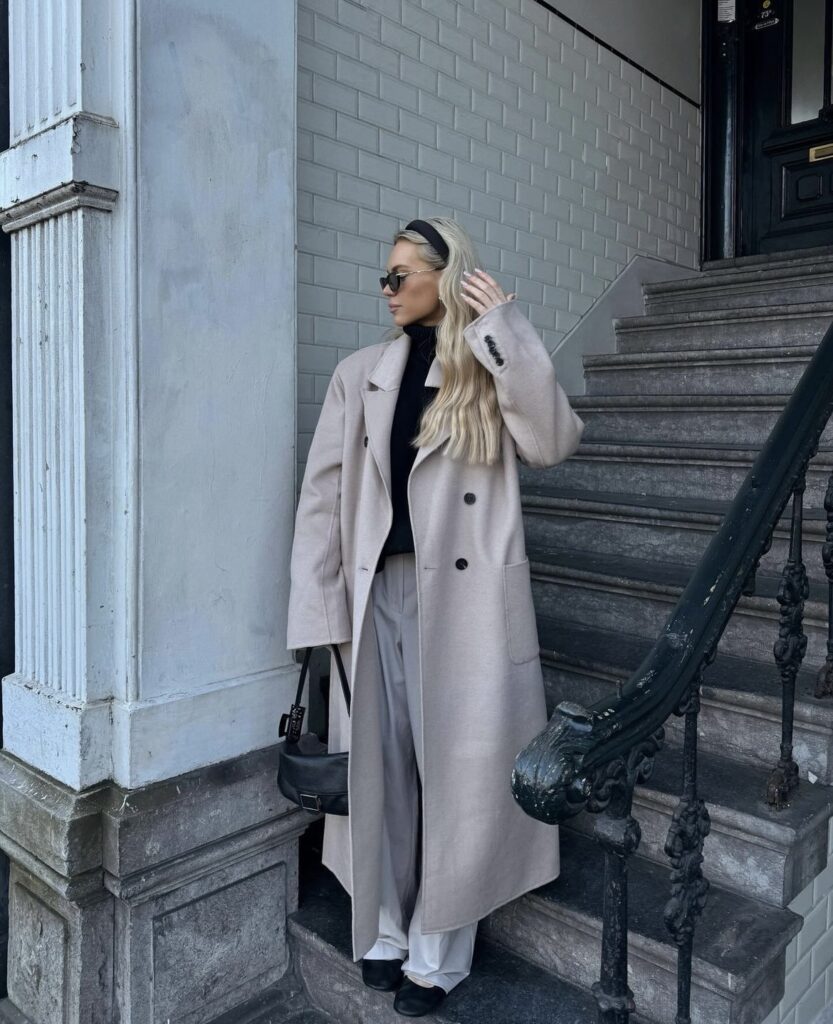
(768, 261)
(651, 527)
(503, 986)
(751, 848)
(749, 371)
(285, 1001)
(701, 419)
(636, 596)
(667, 469)
(740, 715)
(739, 943)
(808, 279)
(765, 326)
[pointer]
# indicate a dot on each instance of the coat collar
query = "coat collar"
(390, 366)
(379, 397)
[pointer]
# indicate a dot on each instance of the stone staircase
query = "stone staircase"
(674, 420)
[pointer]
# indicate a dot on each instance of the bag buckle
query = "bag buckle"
(310, 801)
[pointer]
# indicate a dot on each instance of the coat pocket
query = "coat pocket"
(521, 628)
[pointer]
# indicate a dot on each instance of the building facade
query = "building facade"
(196, 198)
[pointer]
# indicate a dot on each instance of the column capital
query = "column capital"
(75, 163)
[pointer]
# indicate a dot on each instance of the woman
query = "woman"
(410, 556)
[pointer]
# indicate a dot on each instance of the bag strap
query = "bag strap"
(345, 689)
(291, 722)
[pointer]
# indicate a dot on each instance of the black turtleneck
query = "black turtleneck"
(412, 398)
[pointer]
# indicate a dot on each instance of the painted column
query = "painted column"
(149, 195)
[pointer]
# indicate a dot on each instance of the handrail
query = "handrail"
(591, 757)
(547, 780)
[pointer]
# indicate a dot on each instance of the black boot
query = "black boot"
(414, 1000)
(384, 975)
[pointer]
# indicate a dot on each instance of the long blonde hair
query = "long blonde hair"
(467, 399)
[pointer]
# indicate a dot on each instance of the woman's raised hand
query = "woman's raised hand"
(482, 291)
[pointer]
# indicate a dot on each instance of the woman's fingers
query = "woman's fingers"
(483, 282)
(482, 290)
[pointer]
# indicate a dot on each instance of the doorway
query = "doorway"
(768, 130)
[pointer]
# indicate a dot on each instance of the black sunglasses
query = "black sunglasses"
(394, 281)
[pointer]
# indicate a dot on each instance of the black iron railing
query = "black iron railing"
(592, 757)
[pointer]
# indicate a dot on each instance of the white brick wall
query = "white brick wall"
(809, 983)
(561, 160)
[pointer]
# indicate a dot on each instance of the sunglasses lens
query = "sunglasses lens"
(392, 281)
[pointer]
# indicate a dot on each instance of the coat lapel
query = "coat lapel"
(379, 399)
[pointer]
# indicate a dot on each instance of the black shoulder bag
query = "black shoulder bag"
(307, 774)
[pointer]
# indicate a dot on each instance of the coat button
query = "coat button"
(461, 563)
(468, 498)
(365, 440)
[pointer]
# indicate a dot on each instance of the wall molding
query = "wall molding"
(619, 54)
(57, 201)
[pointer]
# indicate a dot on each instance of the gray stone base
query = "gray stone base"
(288, 1002)
(166, 903)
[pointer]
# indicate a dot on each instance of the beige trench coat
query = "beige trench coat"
(482, 686)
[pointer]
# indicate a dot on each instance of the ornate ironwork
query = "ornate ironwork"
(590, 756)
(824, 680)
(752, 578)
(689, 827)
(618, 832)
(789, 651)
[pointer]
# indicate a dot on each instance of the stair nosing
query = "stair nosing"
(606, 403)
(749, 275)
(700, 357)
(787, 258)
(656, 454)
(775, 834)
(815, 606)
(642, 504)
(807, 713)
(718, 315)
(666, 949)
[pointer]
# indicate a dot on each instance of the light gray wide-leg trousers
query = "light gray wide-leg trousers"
(439, 958)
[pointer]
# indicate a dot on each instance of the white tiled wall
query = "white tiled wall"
(809, 983)
(561, 160)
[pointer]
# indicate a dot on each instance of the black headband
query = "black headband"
(430, 232)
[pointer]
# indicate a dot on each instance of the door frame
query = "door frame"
(737, 206)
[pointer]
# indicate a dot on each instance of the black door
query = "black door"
(787, 144)
(768, 183)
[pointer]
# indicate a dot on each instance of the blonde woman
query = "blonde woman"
(409, 554)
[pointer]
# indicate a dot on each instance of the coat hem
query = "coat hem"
(460, 923)
(468, 920)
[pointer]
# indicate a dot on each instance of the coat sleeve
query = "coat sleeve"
(535, 408)
(318, 612)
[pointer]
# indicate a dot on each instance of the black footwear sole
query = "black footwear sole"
(383, 975)
(414, 1000)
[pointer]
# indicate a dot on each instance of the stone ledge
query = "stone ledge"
(73, 163)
